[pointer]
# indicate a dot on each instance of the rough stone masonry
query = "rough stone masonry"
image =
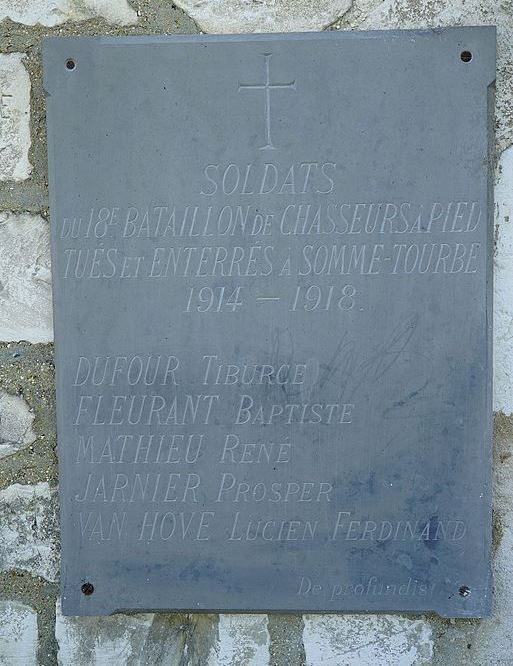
(32, 628)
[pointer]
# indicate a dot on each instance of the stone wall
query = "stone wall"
(32, 628)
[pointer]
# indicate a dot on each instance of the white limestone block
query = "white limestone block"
(227, 16)
(28, 526)
(243, 640)
(14, 117)
(55, 12)
(25, 279)
(15, 424)
(18, 634)
(366, 640)
(492, 642)
(116, 640)
(503, 287)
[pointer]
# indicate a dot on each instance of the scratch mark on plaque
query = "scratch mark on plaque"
(387, 445)
(283, 352)
(412, 394)
(346, 369)
(411, 402)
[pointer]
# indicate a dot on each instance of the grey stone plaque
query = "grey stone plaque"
(272, 291)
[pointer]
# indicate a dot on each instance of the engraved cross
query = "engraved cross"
(268, 87)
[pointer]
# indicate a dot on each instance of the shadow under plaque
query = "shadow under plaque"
(272, 293)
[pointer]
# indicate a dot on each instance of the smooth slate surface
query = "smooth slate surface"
(315, 207)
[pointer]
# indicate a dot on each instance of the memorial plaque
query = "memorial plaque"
(272, 291)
